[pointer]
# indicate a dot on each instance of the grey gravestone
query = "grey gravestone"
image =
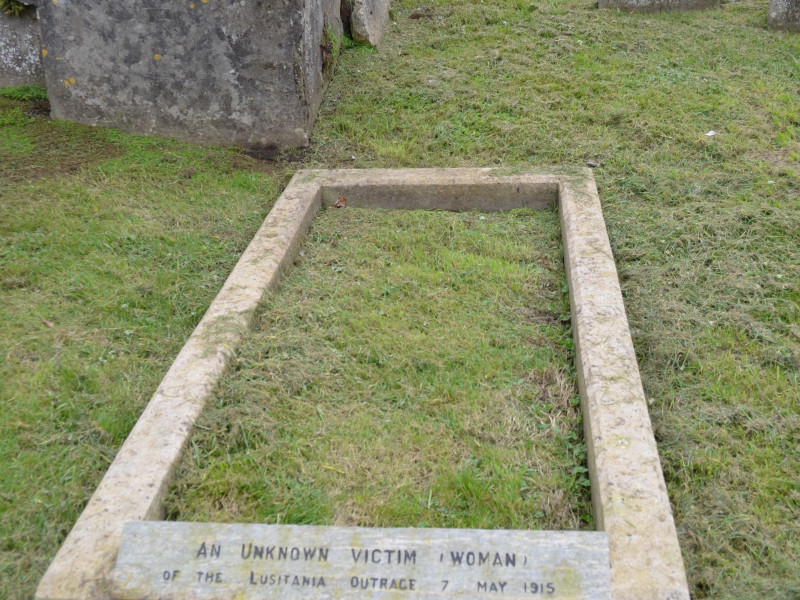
(174, 560)
(368, 20)
(784, 14)
(20, 50)
(248, 73)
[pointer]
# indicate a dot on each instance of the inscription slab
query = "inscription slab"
(179, 560)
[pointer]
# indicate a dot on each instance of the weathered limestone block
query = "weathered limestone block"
(340, 562)
(249, 73)
(784, 14)
(658, 5)
(368, 20)
(20, 50)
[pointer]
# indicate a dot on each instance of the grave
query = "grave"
(629, 498)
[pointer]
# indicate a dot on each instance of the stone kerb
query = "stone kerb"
(628, 490)
(135, 483)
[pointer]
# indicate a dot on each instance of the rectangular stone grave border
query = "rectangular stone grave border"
(628, 492)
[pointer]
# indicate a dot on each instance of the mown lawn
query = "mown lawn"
(414, 370)
(111, 247)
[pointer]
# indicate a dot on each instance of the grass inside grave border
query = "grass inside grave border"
(413, 369)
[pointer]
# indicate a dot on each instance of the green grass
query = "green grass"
(12, 8)
(105, 268)
(24, 92)
(414, 370)
(705, 232)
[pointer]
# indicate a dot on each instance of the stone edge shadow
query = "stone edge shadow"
(649, 6)
(628, 492)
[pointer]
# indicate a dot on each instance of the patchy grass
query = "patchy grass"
(415, 370)
(112, 247)
(704, 227)
(704, 230)
(36, 148)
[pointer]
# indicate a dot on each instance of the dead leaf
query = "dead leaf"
(592, 163)
(341, 202)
